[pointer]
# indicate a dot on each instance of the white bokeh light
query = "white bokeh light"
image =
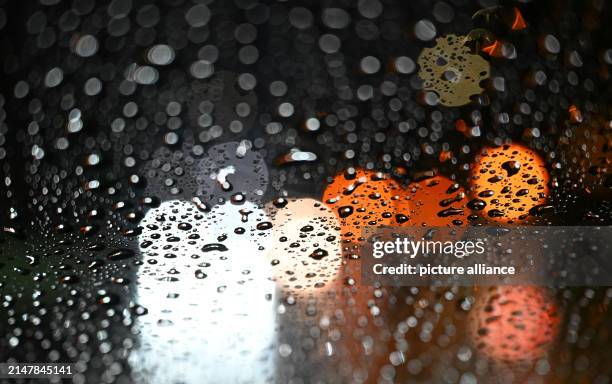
(306, 254)
(209, 296)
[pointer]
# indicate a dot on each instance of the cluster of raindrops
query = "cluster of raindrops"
(361, 198)
(306, 253)
(186, 184)
(585, 157)
(514, 324)
(204, 261)
(232, 171)
(509, 182)
(435, 201)
(228, 171)
(452, 71)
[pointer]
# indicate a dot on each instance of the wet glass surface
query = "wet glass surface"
(184, 186)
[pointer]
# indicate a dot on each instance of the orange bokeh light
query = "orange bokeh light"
(434, 202)
(514, 324)
(510, 180)
(361, 198)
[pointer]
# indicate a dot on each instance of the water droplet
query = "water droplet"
(120, 254)
(318, 254)
(214, 247)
